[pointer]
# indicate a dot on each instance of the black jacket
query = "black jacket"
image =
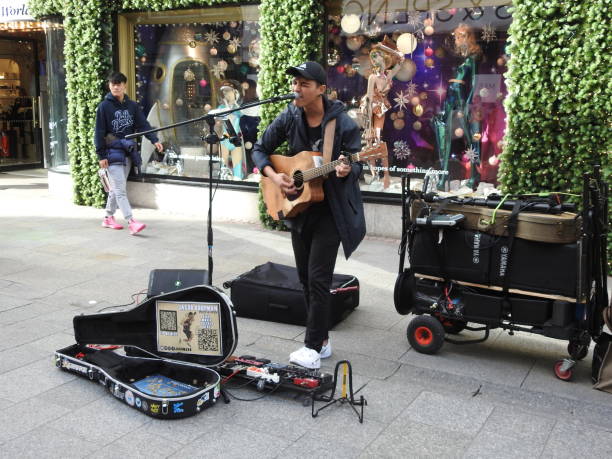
(117, 150)
(119, 119)
(342, 194)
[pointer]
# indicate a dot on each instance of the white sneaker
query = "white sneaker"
(326, 350)
(306, 357)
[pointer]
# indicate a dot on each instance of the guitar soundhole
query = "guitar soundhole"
(298, 179)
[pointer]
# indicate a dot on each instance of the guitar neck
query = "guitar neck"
(325, 169)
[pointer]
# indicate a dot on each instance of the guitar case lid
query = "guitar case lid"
(195, 325)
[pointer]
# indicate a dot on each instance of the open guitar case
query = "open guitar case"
(173, 342)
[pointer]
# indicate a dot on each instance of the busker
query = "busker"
(117, 116)
(317, 232)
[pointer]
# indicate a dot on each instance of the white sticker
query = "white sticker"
(129, 397)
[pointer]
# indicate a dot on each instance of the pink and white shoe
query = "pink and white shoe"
(136, 227)
(109, 222)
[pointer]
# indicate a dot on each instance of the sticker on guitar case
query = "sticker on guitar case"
(189, 327)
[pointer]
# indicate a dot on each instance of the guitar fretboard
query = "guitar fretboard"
(325, 169)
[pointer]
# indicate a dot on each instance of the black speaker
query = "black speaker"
(169, 280)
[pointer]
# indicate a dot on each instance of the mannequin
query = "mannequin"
(457, 103)
(385, 62)
(230, 98)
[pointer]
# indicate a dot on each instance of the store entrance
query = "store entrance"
(20, 133)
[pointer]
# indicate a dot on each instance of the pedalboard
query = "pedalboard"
(268, 375)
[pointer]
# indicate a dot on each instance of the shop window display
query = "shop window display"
(186, 70)
(440, 86)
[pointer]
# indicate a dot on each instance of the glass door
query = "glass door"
(19, 112)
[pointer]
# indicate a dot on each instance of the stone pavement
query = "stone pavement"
(495, 399)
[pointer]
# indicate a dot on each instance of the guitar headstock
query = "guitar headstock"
(376, 151)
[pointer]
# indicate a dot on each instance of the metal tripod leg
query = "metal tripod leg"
(347, 394)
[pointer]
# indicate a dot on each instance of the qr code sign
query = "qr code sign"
(208, 340)
(167, 321)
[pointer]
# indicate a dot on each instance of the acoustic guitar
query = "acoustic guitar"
(307, 178)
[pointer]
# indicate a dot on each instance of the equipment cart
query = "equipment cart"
(529, 263)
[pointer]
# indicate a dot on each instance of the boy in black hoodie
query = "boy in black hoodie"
(317, 233)
(117, 116)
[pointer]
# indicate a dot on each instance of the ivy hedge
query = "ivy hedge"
(560, 103)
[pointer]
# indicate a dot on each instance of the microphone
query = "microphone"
(291, 96)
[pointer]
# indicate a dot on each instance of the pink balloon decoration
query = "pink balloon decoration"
(203, 83)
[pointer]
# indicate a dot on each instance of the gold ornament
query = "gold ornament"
(165, 106)
(189, 75)
(399, 124)
(393, 116)
(400, 114)
(418, 110)
(423, 96)
(427, 22)
(429, 63)
(192, 44)
(458, 132)
(226, 35)
(237, 60)
(417, 125)
(213, 51)
(429, 30)
(416, 100)
(179, 102)
(231, 49)
(477, 136)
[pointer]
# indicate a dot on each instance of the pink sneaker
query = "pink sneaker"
(109, 222)
(136, 227)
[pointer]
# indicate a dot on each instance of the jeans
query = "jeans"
(117, 197)
(315, 246)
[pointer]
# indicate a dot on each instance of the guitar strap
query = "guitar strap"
(328, 140)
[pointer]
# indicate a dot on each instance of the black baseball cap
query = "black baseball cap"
(309, 70)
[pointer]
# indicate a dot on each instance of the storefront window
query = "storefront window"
(185, 64)
(57, 158)
(428, 83)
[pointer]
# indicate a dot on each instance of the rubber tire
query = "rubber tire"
(564, 376)
(425, 334)
(452, 326)
(581, 350)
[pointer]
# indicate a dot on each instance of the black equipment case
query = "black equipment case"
(177, 338)
(539, 269)
(273, 292)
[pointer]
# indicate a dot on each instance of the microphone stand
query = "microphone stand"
(211, 139)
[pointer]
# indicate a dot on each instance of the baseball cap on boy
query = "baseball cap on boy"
(309, 70)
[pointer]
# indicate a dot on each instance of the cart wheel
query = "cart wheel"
(561, 374)
(426, 334)
(577, 350)
(452, 326)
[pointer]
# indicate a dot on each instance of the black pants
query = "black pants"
(315, 246)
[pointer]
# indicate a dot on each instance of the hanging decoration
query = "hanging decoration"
(333, 57)
(211, 38)
(488, 33)
(218, 71)
(406, 43)
(414, 19)
(402, 100)
(401, 150)
(407, 70)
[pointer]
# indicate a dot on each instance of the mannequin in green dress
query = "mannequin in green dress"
(457, 103)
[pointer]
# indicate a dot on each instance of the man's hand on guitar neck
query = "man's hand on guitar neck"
(343, 169)
(282, 180)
